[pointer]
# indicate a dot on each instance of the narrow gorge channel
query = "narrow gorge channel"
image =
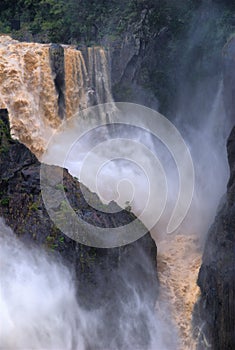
(75, 163)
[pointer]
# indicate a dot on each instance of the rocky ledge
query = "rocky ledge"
(106, 278)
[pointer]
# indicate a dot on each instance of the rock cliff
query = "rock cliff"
(106, 278)
(215, 310)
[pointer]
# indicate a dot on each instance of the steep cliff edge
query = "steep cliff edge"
(106, 278)
(171, 54)
(215, 309)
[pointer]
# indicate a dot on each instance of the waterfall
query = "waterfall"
(99, 74)
(76, 82)
(27, 91)
(36, 104)
(42, 84)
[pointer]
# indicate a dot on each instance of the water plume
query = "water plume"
(40, 308)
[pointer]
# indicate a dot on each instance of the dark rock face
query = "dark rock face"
(106, 278)
(229, 78)
(135, 59)
(57, 66)
(166, 62)
(215, 310)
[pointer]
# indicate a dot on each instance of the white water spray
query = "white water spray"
(39, 307)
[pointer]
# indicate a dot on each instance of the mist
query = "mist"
(129, 165)
(136, 175)
(197, 111)
(40, 308)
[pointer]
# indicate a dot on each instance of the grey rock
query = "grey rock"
(106, 279)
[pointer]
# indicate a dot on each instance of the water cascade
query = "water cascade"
(41, 85)
(32, 75)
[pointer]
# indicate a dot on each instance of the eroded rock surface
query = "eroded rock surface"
(109, 279)
(215, 309)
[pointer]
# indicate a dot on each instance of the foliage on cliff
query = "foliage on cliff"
(71, 21)
(23, 209)
(155, 44)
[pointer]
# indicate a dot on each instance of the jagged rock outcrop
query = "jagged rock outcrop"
(106, 278)
(215, 310)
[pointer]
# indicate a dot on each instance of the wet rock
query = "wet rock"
(229, 78)
(214, 312)
(106, 278)
(57, 67)
(135, 58)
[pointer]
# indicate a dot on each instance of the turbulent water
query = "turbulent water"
(179, 254)
(52, 318)
(40, 308)
(37, 298)
(29, 92)
(179, 290)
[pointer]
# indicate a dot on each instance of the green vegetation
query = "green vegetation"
(69, 21)
(53, 241)
(50, 242)
(169, 33)
(4, 137)
(4, 201)
(81, 21)
(34, 206)
(4, 130)
(61, 187)
(61, 239)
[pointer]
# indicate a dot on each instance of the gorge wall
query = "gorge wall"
(43, 84)
(215, 310)
(101, 275)
(167, 58)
